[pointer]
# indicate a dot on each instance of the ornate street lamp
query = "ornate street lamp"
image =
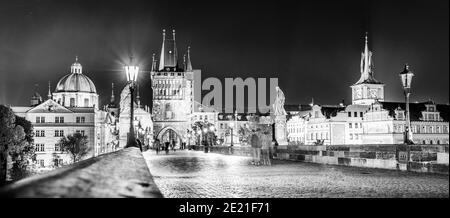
(132, 72)
(406, 77)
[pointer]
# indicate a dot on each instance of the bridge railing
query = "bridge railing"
(123, 173)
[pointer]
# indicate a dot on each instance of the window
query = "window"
(355, 114)
(349, 114)
(57, 147)
(350, 125)
(356, 125)
(361, 114)
(59, 119)
(41, 163)
(72, 102)
(351, 136)
(40, 133)
(38, 119)
(40, 147)
(80, 131)
(86, 102)
(56, 133)
(82, 119)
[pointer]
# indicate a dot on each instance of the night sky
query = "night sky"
(313, 48)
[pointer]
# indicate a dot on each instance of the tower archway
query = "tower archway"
(168, 134)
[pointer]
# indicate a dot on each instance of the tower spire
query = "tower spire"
(169, 54)
(188, 61)
(162, 57)
(184, 62)
(153, 62)
(112, 94)
(49, 94)
(366, 66)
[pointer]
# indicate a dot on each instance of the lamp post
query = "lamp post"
(406, 78)
(132, 72)
(231, 126)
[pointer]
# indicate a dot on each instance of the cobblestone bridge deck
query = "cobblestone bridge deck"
(196, 174)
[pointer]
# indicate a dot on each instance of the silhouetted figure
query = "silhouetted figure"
(166, 147)
(157, 145)
(173, 145)
(138, 142)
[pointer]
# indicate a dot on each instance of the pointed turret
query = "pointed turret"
(113, 99)
(153, 62)
(168, 58)
(188, 60)
(49, 94)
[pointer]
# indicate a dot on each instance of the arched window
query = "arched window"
(72, 102)
(86, 102)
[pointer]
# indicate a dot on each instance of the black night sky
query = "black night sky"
(312, 47)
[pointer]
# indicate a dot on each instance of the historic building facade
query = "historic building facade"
(71, 108)
(369, 119)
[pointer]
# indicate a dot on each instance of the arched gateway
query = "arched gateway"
(168, 134)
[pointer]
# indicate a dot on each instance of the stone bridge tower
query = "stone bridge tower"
(173, 93)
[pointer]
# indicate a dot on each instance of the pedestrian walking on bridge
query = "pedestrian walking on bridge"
(256, 148)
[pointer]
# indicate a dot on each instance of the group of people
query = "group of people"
(262, 148)
(167, 146)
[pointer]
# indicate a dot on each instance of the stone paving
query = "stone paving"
(194, 174)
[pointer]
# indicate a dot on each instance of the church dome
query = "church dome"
(75, 81)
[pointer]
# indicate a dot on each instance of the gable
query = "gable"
(49, 106)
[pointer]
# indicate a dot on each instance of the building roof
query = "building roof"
(416, 109)
(75, 81)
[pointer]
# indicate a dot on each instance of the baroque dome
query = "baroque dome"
(75, 81)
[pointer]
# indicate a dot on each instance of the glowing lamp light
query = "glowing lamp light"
(231, 125)
(205, 130)
(406, 77)
(211, 128)
(199, 132)
(132, 73)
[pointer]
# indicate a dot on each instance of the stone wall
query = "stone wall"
(424, 158)
(123, 173)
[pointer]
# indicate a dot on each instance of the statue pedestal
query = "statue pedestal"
(280, 130)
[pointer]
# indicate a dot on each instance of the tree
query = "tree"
(16, 140)
(22, 153)
(75, 145)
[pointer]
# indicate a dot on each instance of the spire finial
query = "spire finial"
(49, 94)
(367, 36)
(188, 59)
(76, 58)
(173, 33)
(112, 93)
(164, 33)
(184, 62)
(153, 62)
(406, 66)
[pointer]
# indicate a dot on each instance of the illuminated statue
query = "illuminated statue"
(278, 105)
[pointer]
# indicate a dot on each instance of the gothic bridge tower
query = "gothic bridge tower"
(173, 92)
